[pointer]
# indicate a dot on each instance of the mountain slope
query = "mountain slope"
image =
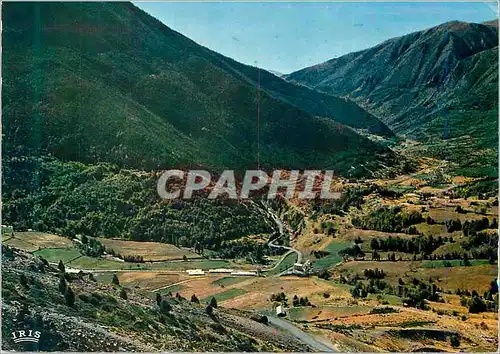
(96, 82)
(433, 84)
(102, 319)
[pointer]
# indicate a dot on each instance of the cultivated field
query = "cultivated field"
(31, 240)
(150, 251)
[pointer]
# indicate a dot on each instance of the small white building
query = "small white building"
(302, 267)
(195, 272)
(280, 311)
(298, 266)
(220, 270)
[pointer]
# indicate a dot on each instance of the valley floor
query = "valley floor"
(331, 317)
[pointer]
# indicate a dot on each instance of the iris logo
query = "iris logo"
(26, 336)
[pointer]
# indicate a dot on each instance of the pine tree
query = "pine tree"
(213, 302)
(209, 310)
(158, 299)
(123, 294)
(61, 266)
(23, 280)
(115, 280)
(62, 284)
(69, 297)
(466, 260)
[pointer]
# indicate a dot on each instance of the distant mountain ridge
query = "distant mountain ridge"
(106, 82)
(433, 84)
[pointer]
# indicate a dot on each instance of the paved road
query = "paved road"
(301, 335)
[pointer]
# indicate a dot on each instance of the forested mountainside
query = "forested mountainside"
(439, 86)
(106, 82)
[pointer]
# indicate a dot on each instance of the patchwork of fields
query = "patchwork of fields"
(379, 320)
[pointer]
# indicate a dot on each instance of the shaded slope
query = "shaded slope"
(106, 82)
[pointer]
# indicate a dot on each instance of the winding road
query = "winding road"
(281, 229)
(301, 335)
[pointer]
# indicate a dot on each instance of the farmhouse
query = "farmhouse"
(220, 270)
(302, 267)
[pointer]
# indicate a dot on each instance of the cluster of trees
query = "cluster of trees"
(320, 253)
(477, 246)
(354, 251)
(253, 251)
(102, 200)
(350, 197)
(325, 227)
(388, 219)
(133, 259)
(483, 189)
(477, 240)
(324, 274)
(415, 293)
(471, 227)
(127, 258)
(374, 273)
(420, 244)
(302, 301)
(361, 288)
(374, 286)
(91, 246)
(453, 225)
(64, 288)
(476, 303)
(279, 297)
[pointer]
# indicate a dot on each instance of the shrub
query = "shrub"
(383, 310)
(454, 341)
(165, 307)
(123, 294)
